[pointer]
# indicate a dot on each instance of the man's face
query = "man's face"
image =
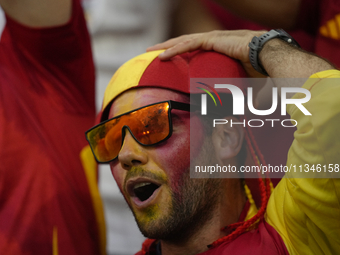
(155, 180)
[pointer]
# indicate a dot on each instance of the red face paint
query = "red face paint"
(164, 166)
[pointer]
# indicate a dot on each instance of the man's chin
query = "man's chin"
(164, 224)
(155, 228)
(157, 222)
(176, 216)
(166, 230)
(159, 231)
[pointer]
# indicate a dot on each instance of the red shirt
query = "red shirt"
(262, 240)
(46, 104)
(322, 20)
(317, 28)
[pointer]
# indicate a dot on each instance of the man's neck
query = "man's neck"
(225, 213)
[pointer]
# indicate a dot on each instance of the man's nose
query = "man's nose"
(131, 152)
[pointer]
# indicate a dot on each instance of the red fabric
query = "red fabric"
(325, 46)
(176, 74)
(312, 16)
(46, 104)
(244, 212)
(308, 18)
(262, 240)
(232, 22)
(315, 14)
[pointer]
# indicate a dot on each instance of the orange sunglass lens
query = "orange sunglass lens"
(113, 140)
(148, 125)
(153, 125)
(101, 152)
(105, 141)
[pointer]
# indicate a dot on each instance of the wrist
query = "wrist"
(259, 42)
(270, 52)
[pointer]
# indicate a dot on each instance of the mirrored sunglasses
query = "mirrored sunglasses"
(148, 125)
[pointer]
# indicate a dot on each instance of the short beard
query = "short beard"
(192, 206)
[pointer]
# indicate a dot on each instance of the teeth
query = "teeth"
(141, 185)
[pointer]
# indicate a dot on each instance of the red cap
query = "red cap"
(147, 70)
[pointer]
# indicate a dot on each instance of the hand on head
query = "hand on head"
(231, 43)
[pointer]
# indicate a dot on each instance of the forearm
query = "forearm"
(281, 60)
(270, 13)
(38, 13)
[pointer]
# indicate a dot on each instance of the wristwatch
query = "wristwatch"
(256, 45)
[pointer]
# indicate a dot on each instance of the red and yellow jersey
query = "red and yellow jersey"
(305, 211)
(49, 202)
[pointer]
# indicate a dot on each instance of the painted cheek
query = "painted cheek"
(180, 162)
(196, 137)
(187, 149)
(118, 174)
(174, 155)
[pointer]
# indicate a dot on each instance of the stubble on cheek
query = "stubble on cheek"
(175, 160)
(119, 178)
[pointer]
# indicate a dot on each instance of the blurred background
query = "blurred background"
(122, 29)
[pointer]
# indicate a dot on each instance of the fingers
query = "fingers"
(189, 43)
(231, 43)
(182, 47)
(179, 45)
(171, 42)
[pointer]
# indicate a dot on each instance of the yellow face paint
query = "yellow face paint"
(149, 214)
(157, 211)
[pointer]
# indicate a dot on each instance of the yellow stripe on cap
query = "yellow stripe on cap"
(128, 75)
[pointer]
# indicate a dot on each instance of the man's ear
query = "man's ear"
(227, 139)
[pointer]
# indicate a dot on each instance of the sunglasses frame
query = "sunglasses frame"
(172, 105)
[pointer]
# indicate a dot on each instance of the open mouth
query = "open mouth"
(144, 190)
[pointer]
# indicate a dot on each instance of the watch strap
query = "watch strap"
(256, 45)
